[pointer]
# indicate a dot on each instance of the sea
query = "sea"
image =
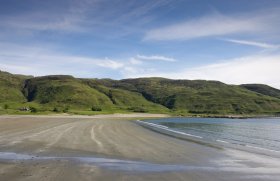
(255, 133)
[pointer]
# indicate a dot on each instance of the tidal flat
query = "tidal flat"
(114, 147)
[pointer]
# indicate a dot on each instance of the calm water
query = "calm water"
(260, 133)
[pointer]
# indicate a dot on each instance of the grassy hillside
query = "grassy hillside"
(11, 87)
(157, 95)
(263, 89)
(64, 91)
(199, 96)
(125, 99)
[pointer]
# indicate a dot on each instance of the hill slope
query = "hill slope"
(137, 95)
(125, 99)
(263, 89)
(63, 90)
(199, 96)
(11, 87)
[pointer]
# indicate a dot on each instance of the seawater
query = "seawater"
(259, 133)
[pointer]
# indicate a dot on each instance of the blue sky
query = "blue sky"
(232, 41)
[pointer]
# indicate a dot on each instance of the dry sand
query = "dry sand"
(110, 147)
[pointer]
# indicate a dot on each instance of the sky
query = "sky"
(235, 42)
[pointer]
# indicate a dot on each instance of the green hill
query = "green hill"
(11, 87)
(263, 89)
(199, 96)
(125, 99)
(157, 95)
(63, 91)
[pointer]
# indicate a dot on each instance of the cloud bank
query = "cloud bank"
(250, 69)
(216, 25)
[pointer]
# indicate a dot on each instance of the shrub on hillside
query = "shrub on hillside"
(96, 108)
(55, 109)
(137, 109)
(33, 109)
(65, 110)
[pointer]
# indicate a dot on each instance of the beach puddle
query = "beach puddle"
(112, 164)
(125, 165)
(137, 166)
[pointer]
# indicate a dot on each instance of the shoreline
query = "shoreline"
(102, 116)
(230, 116)
(139, 115)
(220, 144)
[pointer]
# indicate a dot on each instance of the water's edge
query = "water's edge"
(218, 144)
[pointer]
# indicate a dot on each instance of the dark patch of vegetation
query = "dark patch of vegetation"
(137, 109)
(263, 89)
(55, 109)
(65, 110)
(33, 109)
(96, 108)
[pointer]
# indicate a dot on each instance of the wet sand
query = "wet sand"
(111, 147)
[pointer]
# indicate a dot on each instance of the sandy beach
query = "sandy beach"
(114, 147)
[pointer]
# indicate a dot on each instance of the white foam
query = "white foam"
(259, 148)
(170, 130)
(222, 141)
(156, 125)
(179, 132)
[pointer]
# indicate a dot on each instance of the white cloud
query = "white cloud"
(63, 24)
(202, 27)
(44, 61)
(83, 16)
(70, 18)
(40, 61)
(135, 61)
(251, 69)
(129, 70)
(252, 43)
(112, 64)
(156, 57)
(216, 25)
